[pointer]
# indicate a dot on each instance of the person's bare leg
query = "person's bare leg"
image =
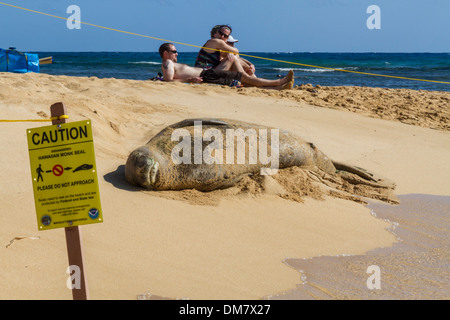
(226, 65)
(283, 83)
(234, 68)
(287, 86)
(260, 82)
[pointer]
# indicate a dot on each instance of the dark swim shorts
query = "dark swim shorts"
(220, 76)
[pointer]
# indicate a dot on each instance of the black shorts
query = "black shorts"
(220, 76)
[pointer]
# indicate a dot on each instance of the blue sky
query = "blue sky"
(260, 25)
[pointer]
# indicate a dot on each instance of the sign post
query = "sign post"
(65, 184)
(73, 234)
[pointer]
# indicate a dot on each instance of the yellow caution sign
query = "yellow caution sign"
(64, 175)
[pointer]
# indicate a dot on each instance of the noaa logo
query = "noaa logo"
(93, 213)
(46, 220)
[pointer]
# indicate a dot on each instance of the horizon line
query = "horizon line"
(275, 52)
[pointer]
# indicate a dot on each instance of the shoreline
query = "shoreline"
(221, 246)
(413, 268)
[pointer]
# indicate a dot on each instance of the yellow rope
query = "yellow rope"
(246, 55)
(63, 116)
(32, 120)
(39, 120)
(365, 73)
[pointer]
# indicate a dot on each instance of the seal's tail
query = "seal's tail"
(357, 175)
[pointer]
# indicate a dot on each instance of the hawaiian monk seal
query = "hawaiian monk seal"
(193, 154)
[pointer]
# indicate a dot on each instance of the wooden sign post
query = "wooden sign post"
(73, 234)
(65, 185)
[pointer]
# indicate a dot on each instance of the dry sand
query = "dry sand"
(219, 245)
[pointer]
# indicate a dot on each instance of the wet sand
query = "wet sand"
(416, 267)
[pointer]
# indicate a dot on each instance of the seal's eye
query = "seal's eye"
(143, 167)
(142, 162)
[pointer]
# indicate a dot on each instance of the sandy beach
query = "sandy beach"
(227, 244)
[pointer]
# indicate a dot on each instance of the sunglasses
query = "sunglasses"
(223, 34)
(173, 51)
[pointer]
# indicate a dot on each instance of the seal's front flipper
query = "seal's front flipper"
(222, 183)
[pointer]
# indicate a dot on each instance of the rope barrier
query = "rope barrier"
(38, 120)
(245, 55)
(31, 120)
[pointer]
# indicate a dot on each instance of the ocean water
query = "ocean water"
(146, 65)
(417, 267)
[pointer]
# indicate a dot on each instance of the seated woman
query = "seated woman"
(209, 56)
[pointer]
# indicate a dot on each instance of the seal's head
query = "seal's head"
(142, 169)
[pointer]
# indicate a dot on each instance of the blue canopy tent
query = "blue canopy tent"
(12, 60)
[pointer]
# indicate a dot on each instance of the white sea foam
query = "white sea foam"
(144, 62)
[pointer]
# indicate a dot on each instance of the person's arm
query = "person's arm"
(168, 69)
(193, 80)
(221, 45)
(248, 66)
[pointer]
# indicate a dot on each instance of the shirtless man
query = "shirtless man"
(174, 71)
